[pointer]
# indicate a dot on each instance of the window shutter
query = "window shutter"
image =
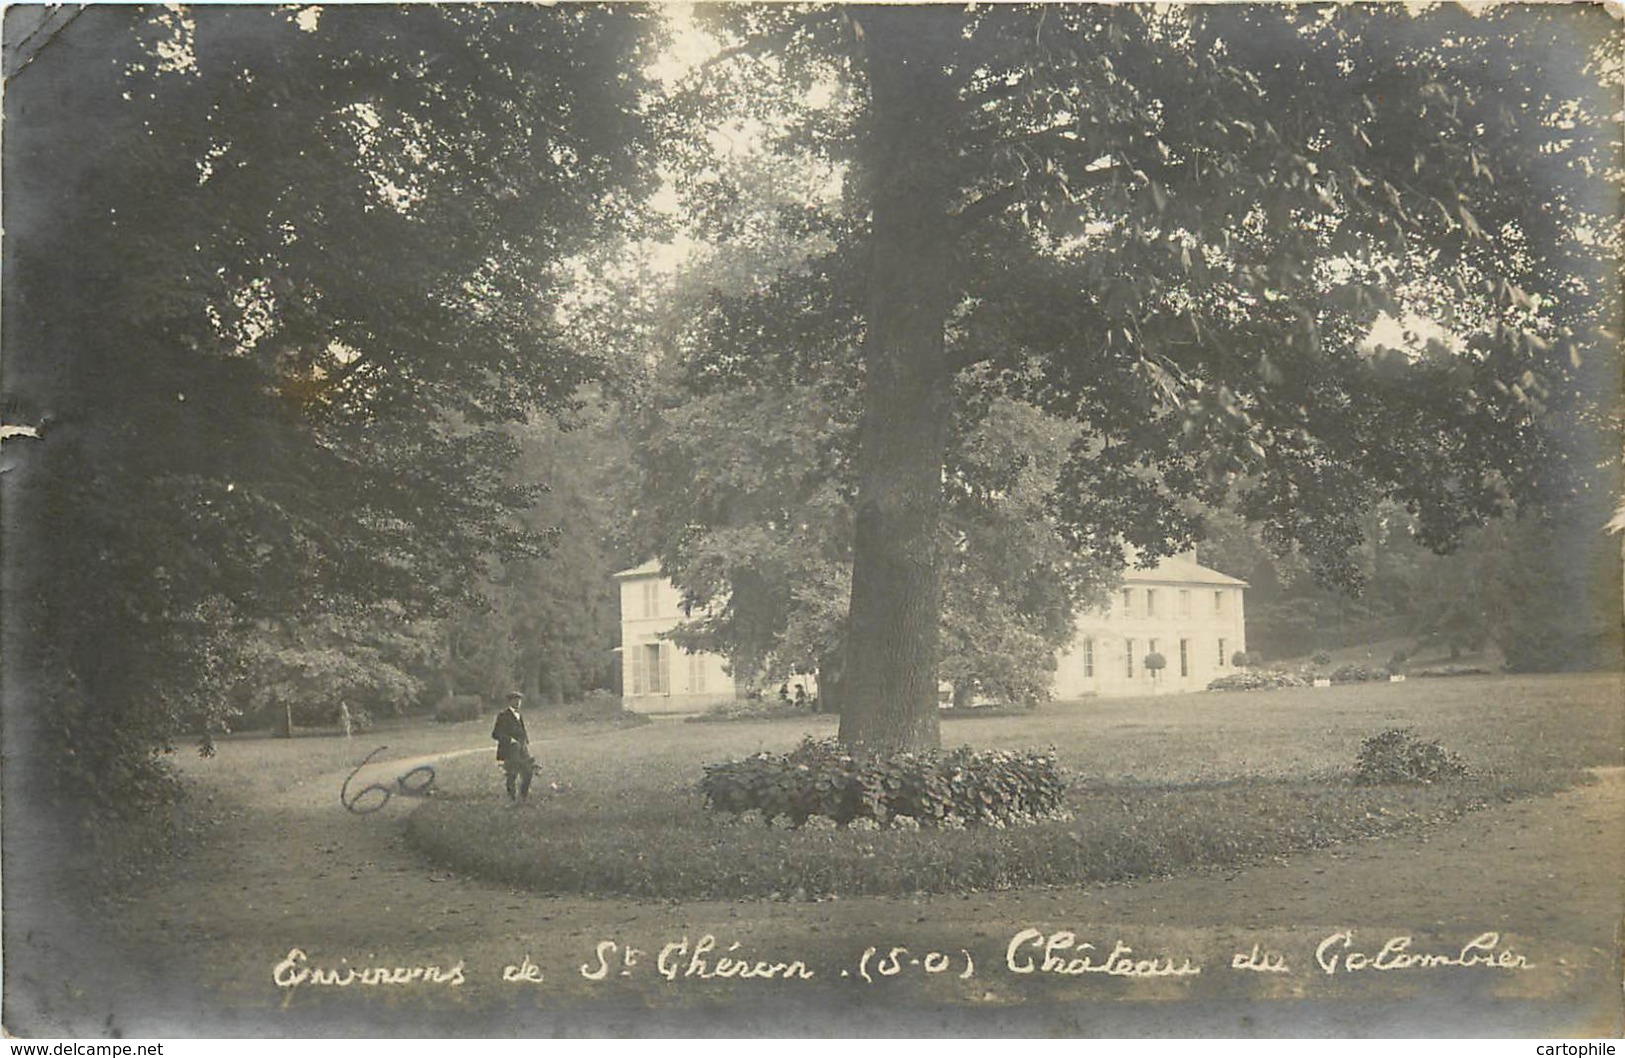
(638, 678)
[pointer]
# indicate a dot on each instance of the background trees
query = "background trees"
(547, 624)
(745, 494)
(277, 283)
(1184, 229)
(1536, 589)
(1013, 287)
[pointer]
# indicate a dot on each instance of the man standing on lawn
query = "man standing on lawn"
(513, 747)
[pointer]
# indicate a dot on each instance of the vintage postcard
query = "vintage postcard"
(990, 520)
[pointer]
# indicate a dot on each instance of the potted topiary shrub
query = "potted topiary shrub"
(1321, 658)
(1154, 664)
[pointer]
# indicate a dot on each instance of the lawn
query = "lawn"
(1162, 786)
(265, 765)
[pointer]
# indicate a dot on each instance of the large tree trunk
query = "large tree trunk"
(889, 692)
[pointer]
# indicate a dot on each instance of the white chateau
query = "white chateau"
(1191, 615)
(657, 676)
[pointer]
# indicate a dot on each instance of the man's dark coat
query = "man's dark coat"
(512, 741)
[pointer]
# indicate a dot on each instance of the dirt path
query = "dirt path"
(199, 954)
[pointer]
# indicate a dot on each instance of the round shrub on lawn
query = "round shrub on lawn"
(1399, 756)
(822, 777)
(1354, 672)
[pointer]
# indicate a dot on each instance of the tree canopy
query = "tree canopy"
(1010, 290)
(277, 281)
(1196, 232)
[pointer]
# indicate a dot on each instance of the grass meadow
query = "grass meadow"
(1161, 786)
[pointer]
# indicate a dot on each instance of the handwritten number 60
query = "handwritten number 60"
(414, 783)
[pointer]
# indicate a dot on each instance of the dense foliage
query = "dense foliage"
(278, 285)
(745, 495)
(1399, 755)
(1539, 588)
(822, 778)
(1358, 259)
(1264, 679)
(547, 624)
(1353, 672)
(1257, 680)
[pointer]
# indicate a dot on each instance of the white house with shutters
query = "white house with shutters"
(658, 676)
(1191, 615)
(1194, 617)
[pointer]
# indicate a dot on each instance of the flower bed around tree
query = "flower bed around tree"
(824, 780)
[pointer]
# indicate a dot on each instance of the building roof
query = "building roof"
(650, 568)
(1181, 569)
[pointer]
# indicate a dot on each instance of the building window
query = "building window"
(651, 669)
(1151, 606)
(696, 673)
(1221, 654)
(1128, 602)
(1128, 656)
(1218, 602)
(1089, 657)
(1184, 657)
(1184, 603)
(651, 598)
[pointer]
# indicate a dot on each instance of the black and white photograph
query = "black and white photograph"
(778, 520)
